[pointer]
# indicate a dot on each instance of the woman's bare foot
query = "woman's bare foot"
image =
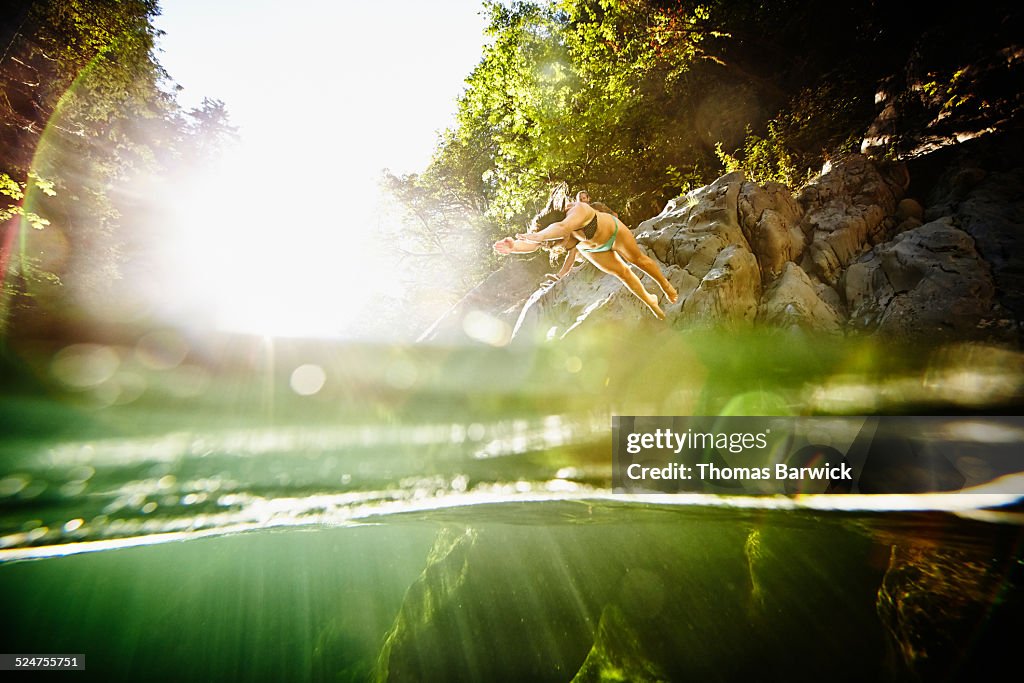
(671, 293)
(652, 303)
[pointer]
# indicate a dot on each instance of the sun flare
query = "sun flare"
(257, 257)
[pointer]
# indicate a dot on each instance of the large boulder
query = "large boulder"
(694, 228)
(770, 217)
(793, 301)
(927, 283)
(700, 246)
(848, 209)
(728, 292)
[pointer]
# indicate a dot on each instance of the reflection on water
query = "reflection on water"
(247, 478)
(962, 376)
(172, 434)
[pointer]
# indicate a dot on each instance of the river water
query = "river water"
(260, 509)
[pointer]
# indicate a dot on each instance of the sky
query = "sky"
(325, 95)
(388, 71)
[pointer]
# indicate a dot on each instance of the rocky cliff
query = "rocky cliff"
(848, 253)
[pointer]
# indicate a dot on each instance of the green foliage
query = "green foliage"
(14, 191)
(817, 123)
(581, 90)
(763, 159)
(951, 90)
(12, 194)
(686, 179)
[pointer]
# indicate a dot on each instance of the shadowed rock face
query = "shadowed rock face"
(928, 281)
(846, 254)
(990, 208)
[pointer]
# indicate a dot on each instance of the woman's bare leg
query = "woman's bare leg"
(627, 248)
(609, 262)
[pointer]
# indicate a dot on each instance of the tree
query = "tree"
(593, 92)
(86, 106)
(640, 100)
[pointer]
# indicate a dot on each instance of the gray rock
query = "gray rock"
(706, 253)
(847, 210)
(992, 212)
(770, 218)
(694, 228)
(728, 293)
(927, 283)
(793, 302)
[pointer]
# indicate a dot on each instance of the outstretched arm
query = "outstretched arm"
(574, 220)
(511, 245)
(555, 231)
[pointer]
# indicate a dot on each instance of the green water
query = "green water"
(541, 591)
(447, 514)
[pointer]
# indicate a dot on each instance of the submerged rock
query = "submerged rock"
(413, 643)
(618, 654)
(499, 606)
(951, 613)
(646, 595)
